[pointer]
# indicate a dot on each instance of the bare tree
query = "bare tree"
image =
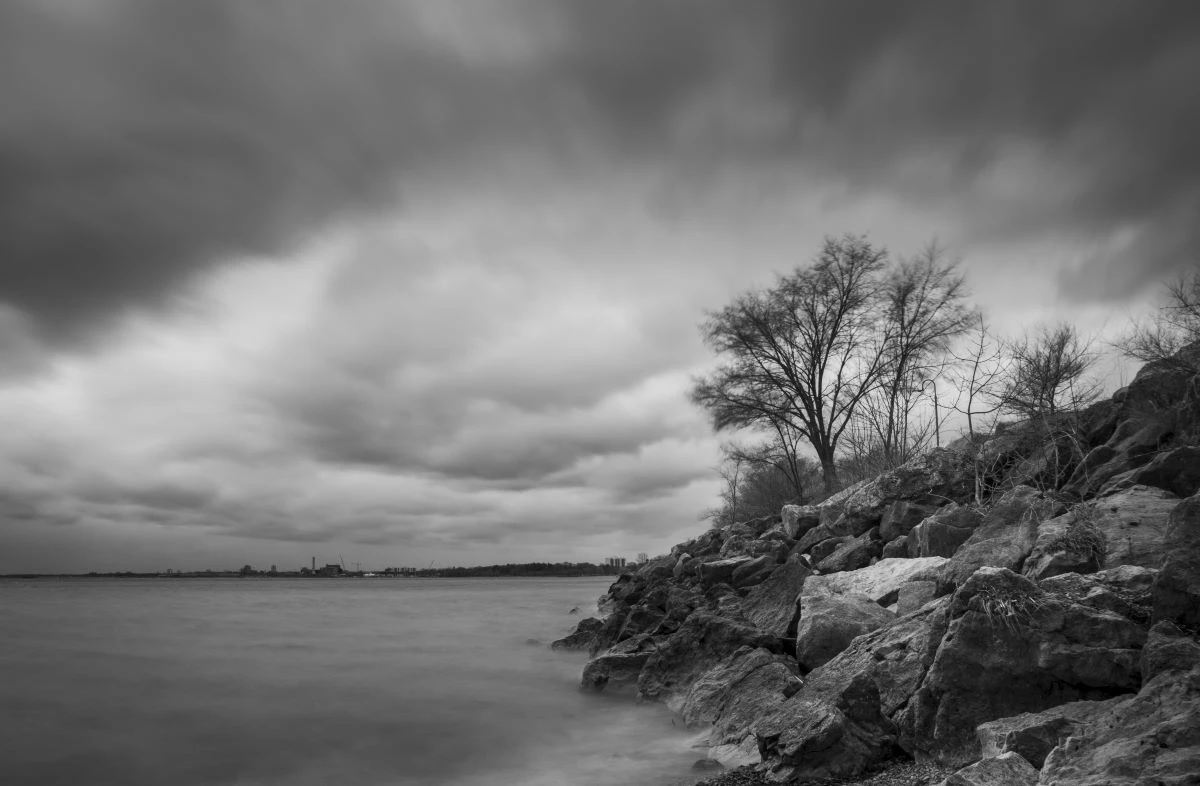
(979, 372)
(1048, 374)
(1176, 325)
(801, 356)
(923, 309)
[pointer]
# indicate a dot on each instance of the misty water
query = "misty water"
(279, 681)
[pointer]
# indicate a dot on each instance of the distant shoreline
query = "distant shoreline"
(235, 575)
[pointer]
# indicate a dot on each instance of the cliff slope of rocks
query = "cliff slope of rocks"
(1022, 608)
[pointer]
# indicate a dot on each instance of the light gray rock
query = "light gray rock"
(1007, 769)
(880, 582)
(799, 519)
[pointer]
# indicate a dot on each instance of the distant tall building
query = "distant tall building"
(643, 556)
(615, 562)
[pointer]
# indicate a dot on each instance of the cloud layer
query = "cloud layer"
(425, 276)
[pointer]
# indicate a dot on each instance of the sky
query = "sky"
(420, 282)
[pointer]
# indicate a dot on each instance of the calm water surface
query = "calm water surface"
(278, 681)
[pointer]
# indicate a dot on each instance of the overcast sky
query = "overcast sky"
(413, 282)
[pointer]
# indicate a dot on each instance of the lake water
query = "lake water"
(278, 681)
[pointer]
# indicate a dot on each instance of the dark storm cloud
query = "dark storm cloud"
(144, 141)
(924, 99)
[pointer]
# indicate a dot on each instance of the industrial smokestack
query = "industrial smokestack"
(314, 559)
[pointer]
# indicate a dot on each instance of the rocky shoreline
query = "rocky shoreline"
(1016, 609)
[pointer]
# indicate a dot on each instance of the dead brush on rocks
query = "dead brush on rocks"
(1083, 536)
(1008, 607)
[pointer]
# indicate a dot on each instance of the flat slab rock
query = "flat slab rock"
(880, 582)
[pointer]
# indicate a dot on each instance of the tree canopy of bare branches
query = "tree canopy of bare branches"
(1176, 325)
(1048, 373)
(800, 357)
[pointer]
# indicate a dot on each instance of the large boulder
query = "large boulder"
(1007, 769)
(1071, 543)
(619, 669)
(900, 517)
(852, 554)
(1005, 537)
(583, 637)
(1124, 590)
(1177, 588)
(702, 641)
(828, 623)
(720, 571)
(1176, 471)
(773, 606)
(732, 695)
(940, 534)
(932, 478)
(840, 723)
(703, 702)
(1151, 738)
(1125, 528)
(880, 582)
(752, 572)
(1010, 648)
(1034, 734)
(1168, 649)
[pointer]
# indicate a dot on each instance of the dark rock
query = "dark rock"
(839, 723)
(1151, 738)
(703, 641)
(1168, 649)
(640, 619)
(707, 765)
(703, 701)
(851, 555)
(1013, 648)
(940, 534)
(900, 517)
(720, 571)
(828, 623)
(896, 549)
(773, 605)
(817, 535)
(1176, 590)
(1034, 734)
(1176, 471)
(1005, 536)
(753, 572)
(1007, 769)
(828, 546)
(614, 671)
(582, 638)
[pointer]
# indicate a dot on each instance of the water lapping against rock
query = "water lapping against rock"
(1020, 608)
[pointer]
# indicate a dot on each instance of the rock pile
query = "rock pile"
(994, 611)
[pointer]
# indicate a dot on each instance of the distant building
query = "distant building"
(643, 557)
(330, 570)
(615, 562)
